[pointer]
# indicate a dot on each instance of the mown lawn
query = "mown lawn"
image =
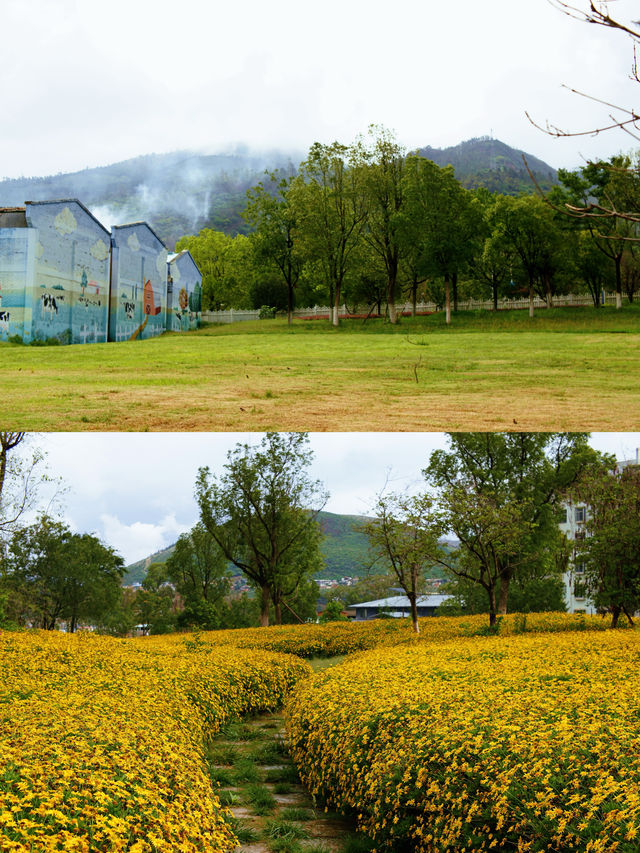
(574, 368)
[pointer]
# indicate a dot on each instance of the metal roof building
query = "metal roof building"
(398, 606)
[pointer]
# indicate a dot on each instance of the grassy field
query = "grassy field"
(574, 368)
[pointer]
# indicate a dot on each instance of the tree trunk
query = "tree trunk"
(618, 262)
(264, 612)
(531, 298)
(615, 615)
(414, 614)
(278, 612)
(391, 297)
(447, 300)
(414, 298)
(504, 594)
(336, 317)
(494, 289)
(492, 606)
(454, 286)
(289, 304)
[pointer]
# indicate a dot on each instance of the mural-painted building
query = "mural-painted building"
(54, 273)
(184, 293)
(63, 275)
(138, 283)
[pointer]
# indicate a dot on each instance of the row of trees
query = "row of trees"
(367, 224)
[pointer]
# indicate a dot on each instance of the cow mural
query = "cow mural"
(49, 252)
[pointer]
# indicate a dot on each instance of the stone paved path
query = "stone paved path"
(259, 784)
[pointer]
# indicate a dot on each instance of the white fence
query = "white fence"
(324, 312)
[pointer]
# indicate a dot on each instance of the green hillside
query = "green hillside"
(344, 547)
(487, 162)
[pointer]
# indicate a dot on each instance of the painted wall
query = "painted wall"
(17, 247)
(184, 293)
(68, 293)
(138, 283)
(64, 276)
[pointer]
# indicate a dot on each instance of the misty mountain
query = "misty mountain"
(344, 547)
(184, 191)
(177, 193)
(487, 162)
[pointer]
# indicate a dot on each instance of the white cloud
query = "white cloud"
(137, 540)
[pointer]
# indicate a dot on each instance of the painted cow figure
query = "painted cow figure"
(49, 305)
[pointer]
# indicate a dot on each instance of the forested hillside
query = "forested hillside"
(184, 191)
(487, 162)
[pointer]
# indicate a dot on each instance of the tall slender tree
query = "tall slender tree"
(262, 512)
(330, 203)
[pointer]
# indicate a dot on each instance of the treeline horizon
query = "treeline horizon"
(368, 224)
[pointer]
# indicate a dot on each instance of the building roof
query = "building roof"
(70, 201)
(433, 600)
(137, 225)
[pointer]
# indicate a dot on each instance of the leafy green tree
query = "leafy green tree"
(611, 548)
(155, 603)
(442, 218)
(592, 266)
(404, 534)
(526, 595)
(330, 203)
(226, 264)
(499, 493)
(275, 239)
(60, 575)
(121, 619)
(242, 611)
(383, 177)
(333, 612)
(262, 513)
(302, 604)
(197, 568)
(614, 185)
(526, 227)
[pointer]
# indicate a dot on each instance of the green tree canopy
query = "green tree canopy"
(500, 494)
(611, 549)
(60, 575)
(262, 514)
(405, 535)
(198, 570)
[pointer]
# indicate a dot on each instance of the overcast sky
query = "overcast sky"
(86, 83)
(135, 490)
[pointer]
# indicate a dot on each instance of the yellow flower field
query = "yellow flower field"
(342, 638)
(102, 740)
(526, 743)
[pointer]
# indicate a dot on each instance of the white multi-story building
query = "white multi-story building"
(573, 527)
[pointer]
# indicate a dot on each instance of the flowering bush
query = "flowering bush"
(524, 743)
(101, 740)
